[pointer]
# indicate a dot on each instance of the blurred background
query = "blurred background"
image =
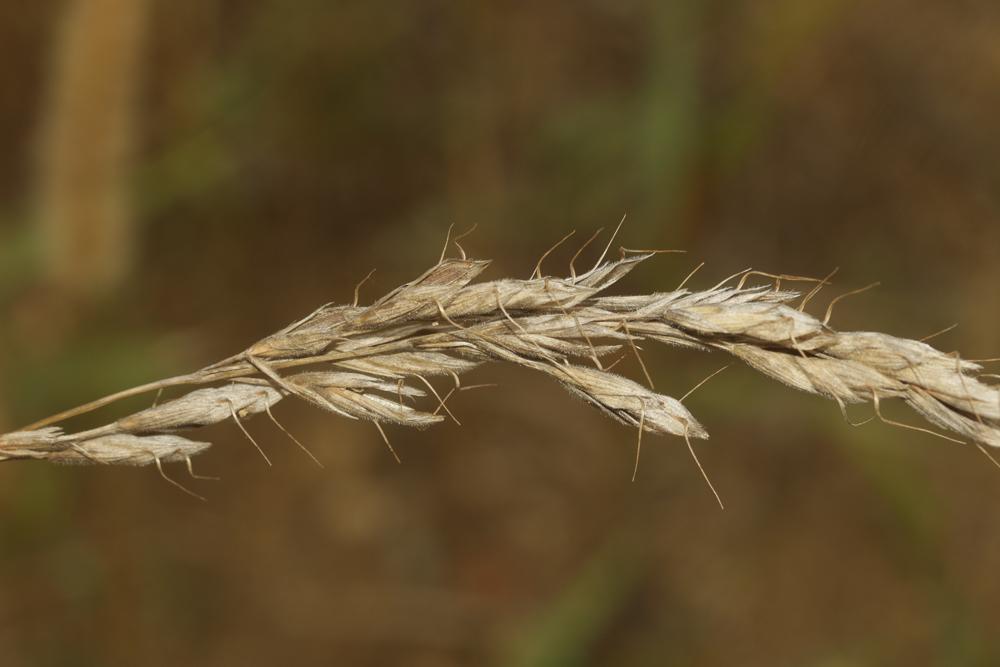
(178, 179)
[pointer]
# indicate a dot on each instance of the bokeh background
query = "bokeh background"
(178, 179)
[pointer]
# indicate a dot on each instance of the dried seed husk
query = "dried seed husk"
(309, 336)
(627, 401)
(361, 381)
(849, 381)
(420, 297)
(942, 415)
(363, 405)
(130, 449)
(408, 364)
(30, 444)
(516, 296)
(607, 274)
(201, 407)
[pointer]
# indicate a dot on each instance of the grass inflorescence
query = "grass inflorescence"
(375, 362)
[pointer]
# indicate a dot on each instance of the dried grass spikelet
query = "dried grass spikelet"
(439, 284)
(374, 362)
(627, 401)
(350, 398)
(201, 407)
(30, 444)
(129, 449)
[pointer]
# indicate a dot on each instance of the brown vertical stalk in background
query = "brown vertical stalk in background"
(86, 138)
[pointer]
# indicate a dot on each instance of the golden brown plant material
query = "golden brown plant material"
(373, 362)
